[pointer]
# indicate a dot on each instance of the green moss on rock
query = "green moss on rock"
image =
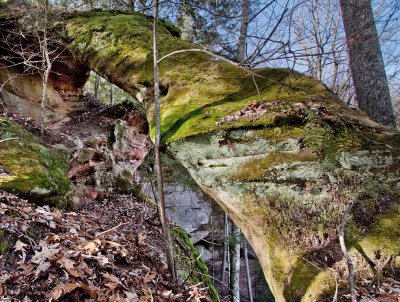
(31, 169)
(257, 169)
(190, 266)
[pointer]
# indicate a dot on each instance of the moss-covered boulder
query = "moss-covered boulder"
(30, 169)
(276, 149)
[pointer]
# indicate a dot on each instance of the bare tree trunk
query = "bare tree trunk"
(112, 99)
(225, 249)
(185, 21)
(366, 61)
(212, 242)
(160, 188)
(97, 86)
(246, 262)
(244, 24)
(47, 65)
(131, 5)
(235, 264)
(346, 254)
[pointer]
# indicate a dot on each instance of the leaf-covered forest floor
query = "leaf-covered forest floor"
(110, 250)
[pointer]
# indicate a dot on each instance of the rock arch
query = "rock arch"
(283, 163)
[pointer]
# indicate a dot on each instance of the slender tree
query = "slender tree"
(246, 263)
(97, 86)
(366, 62)
(160, 188)
(46, 62)
(235, 264)
(225, 255)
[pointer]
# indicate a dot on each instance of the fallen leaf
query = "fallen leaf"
(113, 244)
(69, 287)
(68, 265)
(149, 277)
(26, 210)
(132, 297)
(20, 246)
(47, 252)
(56, 293)
(111, 285)
(42, 267)
(141, 239)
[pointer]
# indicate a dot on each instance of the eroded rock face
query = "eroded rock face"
(110, 143)
(22, 92)
(21, 74)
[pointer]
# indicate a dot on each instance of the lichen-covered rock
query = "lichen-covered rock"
(30, 169)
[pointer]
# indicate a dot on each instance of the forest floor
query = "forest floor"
(110, 250)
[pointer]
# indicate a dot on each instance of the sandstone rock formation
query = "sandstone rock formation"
(283, 157)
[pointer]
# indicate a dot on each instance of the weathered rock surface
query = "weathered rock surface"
(109, 144)
(284, 163)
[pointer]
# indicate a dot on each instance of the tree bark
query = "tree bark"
(160, 188)
(366, 62)
(244, 25)
(235, 264)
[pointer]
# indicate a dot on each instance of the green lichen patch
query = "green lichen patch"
(280, 134)
(31, 169)
(256, 169)
(190, 266)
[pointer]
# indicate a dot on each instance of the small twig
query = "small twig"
(8, 139)
(345, 252)
(110, 230)
(198, 50)
(313, 264)
(212, 278)
(335, 296)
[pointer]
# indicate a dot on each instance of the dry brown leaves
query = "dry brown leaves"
(109, 251)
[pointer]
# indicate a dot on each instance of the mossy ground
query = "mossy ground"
(31, 169)
(189, 264)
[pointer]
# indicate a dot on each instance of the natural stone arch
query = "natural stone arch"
(283, 165)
